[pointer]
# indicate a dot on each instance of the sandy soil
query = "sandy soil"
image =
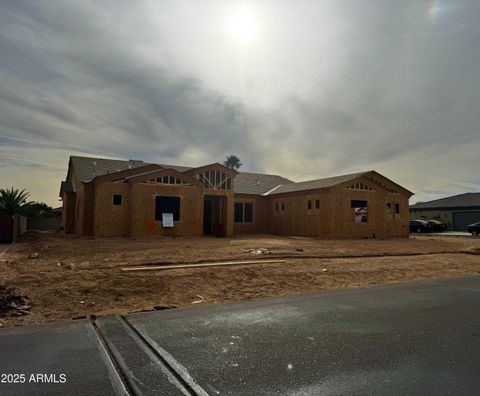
(61, 287)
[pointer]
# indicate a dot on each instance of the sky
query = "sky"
(303, 89)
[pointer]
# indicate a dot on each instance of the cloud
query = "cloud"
(325, 88)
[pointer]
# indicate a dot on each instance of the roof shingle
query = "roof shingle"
(257, 183)
(316, 184)
(88, 168)
(461, 200)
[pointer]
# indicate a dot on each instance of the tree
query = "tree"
(233, 162)
(12, 201)
(37, 209)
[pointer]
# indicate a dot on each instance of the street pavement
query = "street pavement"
(419, 338)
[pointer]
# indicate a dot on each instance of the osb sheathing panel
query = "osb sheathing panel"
(79, 209)
(380, 223)
(88, 208)
(143, 209)
(109, 219)
(230, 215)
(64, 210)
(68, 212)
(297, 219)
(335, 217)
(259, 223)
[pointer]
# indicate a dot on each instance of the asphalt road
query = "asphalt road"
(420, 338)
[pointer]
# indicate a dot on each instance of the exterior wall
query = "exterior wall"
(79, 201)
(297, 219)
(142, 199)
(133, 216)
(68, 212)
(380, 223)
(74, 215)
(259, 223)
(96, 215)
(335, 218)
(88, 208)
(109, 219)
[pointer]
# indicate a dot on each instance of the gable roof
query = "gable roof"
(88, 168)
(316, 184)
(148, 175)
(178, 168)
(215, 165)
(455, 201)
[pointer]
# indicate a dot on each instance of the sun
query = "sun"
(243, 25)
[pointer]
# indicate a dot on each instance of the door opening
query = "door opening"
(214, 215)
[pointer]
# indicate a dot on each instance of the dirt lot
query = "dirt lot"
(68, 277)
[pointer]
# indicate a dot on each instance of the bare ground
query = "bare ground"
(61, 287)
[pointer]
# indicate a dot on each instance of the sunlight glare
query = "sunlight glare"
(243, 25)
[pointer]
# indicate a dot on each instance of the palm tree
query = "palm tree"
(12, 201)
(233, 162)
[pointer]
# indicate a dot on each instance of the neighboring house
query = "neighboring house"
(104, 197)
(58, 211)
(53, 223)
(457, 211)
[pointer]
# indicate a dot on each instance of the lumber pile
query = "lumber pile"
(12, 303)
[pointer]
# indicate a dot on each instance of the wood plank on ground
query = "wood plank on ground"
(179, 266)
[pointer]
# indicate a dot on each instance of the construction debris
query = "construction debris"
(257, 251)
(167, 267)
(198, 301)
(12, 303)
(84, 265)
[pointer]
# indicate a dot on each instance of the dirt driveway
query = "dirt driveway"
(66, 277)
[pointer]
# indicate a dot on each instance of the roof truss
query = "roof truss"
(147, 176)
